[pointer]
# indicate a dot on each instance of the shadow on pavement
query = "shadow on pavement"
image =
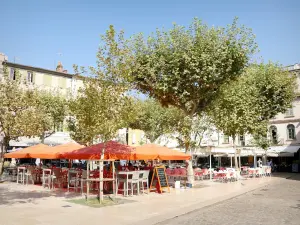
(10, 197)
(288, 176)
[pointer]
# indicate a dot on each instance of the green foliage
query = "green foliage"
(16, 105)
(26, 111)
(187, 67)
(246, 105)
(98, 112)
(261, 141)
(190, 132)
(102, 106)
(51, 108)
(153, 119)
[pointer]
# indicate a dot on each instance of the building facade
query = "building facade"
(55, 80)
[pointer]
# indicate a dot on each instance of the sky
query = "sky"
(41, 33)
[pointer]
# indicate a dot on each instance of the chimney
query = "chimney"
(59, 67)
(65, 71)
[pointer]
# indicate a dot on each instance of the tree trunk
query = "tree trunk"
(101, 197)
(235, 153)
(190, 172)
(4, 145)
(42, 137)
(264, 158)
(2, 158)
(235, 158)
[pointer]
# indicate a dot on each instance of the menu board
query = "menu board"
(159, 179)
(162, 177)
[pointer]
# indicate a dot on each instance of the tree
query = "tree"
(153, 119)
(51, 111)
(16, 107)
(246, 105)
(186, 68)
(102, 106)
(191, 132)
(97, 114)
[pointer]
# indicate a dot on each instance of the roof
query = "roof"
(37, 69)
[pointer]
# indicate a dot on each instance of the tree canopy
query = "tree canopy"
(246, 105)
(186, 67)
(153, 119)
(98, 112)
(50, 111)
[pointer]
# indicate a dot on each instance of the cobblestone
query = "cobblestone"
(275, 204)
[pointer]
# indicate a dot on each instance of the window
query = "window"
(289, 112)
(12, 74)
(226, 139)
(273, 134)
(29, 77)
(291, 132)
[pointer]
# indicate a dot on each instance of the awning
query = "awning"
(285, 148)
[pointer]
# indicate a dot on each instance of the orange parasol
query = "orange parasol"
(113, 150)
(159, 152)
(56, 152)
(26, 152)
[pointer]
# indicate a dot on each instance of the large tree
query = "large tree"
(97, 114)
(246, 105)
(102, 105)
(186, 67)
(16, 107)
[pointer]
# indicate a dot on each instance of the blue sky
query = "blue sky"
(36, 31)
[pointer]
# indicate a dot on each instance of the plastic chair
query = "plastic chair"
(135, 181)
(29, 174)
(83, 179)
(145, 179)
(21, 174)
(57, 177)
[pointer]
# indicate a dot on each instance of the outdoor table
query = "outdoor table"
(126, 174)
(48, 173)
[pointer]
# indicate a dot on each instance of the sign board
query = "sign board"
(159, 179)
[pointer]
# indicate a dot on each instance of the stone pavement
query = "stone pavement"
(275, 204)
(32, 207)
